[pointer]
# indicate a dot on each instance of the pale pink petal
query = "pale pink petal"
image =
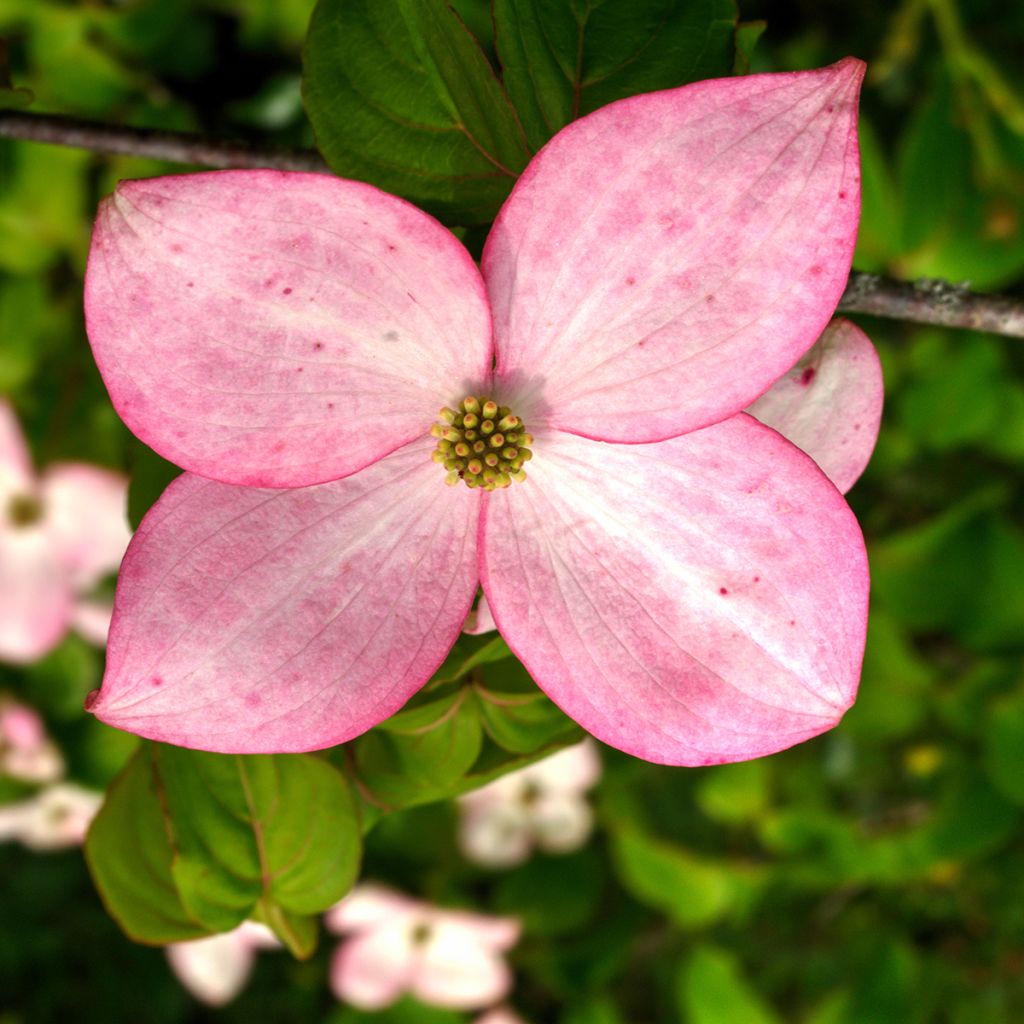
(561, 822)
(21, 727)
(255, 621)
(493, 932)
(458, 971)
(86, 516)
(91, 619)
(480, 619)
(16, 473)
(35, 594)
(257, 936)
(572, 770)
(663, 260)
(499, 1015)
(494, 835)
(830, 403)
(55, 818)
(367, 906)
(373, 968)
(213, 969)
(26, 752)
(694, 601)
(279, 329)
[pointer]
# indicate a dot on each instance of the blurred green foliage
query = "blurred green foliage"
(872, 876)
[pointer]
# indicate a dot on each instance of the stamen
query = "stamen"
(481, 443)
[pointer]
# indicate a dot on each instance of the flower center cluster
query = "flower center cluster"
(482, 444)
(24, 510)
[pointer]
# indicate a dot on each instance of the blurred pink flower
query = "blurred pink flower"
(60, 534)
(500, 1015)
(215, 969)
(55, 818)
(679, 578)
(26, 752)
(541, 805)
(396, 945)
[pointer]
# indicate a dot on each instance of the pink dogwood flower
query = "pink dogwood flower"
(683, 581)
(60, 534)
(215, 969)
(26, 752)
(540, 805)
(396, 945)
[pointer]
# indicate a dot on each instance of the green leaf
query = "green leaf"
(746, 38)
(713, 990)
(595, 1010)
(420, 754)
(400, 95)
(887, 989)
(279, 831)
(1004, 746)
(130, 855)
(735, 793)
(562, 60)
(189, 843)
(15, 99)
(537, 892)
(896, 683)
(693, 891)
(934, 173)
(150, 475)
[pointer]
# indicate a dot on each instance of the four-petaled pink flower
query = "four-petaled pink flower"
(59, 536)
(396, 945)
(540, 805)
(679, 578)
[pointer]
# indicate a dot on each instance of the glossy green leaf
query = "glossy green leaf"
(190, 843)
(420, 754)
(400, 94)
(712, 989)
(130, 855)
(278, 830)
(562, 60)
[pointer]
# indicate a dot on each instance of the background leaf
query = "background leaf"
(562, 60)
(400, 94)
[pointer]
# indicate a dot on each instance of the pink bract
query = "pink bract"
(678, 577)
(60, 534)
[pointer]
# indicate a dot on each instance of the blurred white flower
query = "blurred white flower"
(26, 752)
(500, 1015)
(55, 818)
(447, 958)
(60, 534)
(215, 969)
(541, 805)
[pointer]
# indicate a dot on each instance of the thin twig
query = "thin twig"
(176, 147)
(925, 302)
(930, 301)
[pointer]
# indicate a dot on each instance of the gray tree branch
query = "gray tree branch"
(925, 302)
